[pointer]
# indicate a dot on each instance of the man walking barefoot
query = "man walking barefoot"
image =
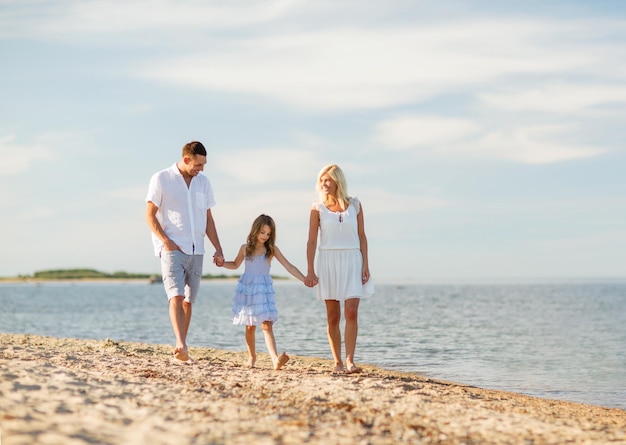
(178, 211)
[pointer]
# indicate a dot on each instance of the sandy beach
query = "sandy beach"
(68, 391)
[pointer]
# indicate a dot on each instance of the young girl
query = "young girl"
(253, 302)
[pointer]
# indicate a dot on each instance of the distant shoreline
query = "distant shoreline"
(88, 274)
(114, 280)
(156, 278)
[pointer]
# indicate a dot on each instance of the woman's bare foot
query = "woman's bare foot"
(282, 359)
(351, 368)
(251, 362)
(339, 369)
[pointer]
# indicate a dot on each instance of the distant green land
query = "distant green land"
(92, 274)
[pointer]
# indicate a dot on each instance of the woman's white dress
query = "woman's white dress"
(339, 259)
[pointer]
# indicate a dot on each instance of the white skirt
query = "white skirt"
(339, 273)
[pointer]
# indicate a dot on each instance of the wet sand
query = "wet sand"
(68, 391)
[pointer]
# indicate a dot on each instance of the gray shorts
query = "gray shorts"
(182, 274)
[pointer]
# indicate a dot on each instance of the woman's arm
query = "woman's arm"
(311, 246)
(365, 274)
(238, 259)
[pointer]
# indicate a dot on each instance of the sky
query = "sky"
(485, 139)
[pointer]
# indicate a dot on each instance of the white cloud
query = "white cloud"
(268, 166)
(382, 202)
(18, 158)
(338, 66)
(130, 194)
(412, 131)
(62, 20)
(365, 68)
(287, 205)
(533, 145)
(557, 98)
(530, 144)
(26, 215)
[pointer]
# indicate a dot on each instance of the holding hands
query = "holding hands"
(218, 259)
(311, 280)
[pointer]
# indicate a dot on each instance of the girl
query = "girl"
(253, 302)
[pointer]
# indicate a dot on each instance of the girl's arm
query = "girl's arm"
(238, 259)
(293, 270)
(365, 274)
(311, 246)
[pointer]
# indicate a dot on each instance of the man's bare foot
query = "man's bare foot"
(282, 359)
(351, 368)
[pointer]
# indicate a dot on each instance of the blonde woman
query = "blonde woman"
(342, 262)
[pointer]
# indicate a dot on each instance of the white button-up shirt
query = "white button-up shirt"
(182, 210)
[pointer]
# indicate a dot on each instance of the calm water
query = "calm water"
(558, 341)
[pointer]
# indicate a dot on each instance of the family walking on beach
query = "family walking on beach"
(178, 212)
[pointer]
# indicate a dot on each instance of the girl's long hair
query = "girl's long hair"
(257, 225)
(335, 172)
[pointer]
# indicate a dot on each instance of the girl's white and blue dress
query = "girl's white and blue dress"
(339, 258)
(254, 302)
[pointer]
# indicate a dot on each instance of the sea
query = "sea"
(563, 340)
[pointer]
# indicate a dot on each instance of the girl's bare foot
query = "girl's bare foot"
(181, 354)
(282, 359)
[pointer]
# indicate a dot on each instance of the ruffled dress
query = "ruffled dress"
(254, 301)
(339, 258)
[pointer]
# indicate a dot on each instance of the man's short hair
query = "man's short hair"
(194, 148)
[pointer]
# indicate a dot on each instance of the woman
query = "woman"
(342, 261)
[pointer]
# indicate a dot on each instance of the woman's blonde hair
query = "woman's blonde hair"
(257, 225)
(336, 174)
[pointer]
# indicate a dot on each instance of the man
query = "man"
(179, 203)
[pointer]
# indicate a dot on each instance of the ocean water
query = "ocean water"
(563, 341)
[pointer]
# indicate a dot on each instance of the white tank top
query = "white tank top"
(339, 230)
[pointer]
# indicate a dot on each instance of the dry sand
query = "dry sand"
(67, 391)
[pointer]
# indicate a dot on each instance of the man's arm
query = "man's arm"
(155, 226)
(211, 233)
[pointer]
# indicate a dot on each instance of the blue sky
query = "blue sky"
(485, 139)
